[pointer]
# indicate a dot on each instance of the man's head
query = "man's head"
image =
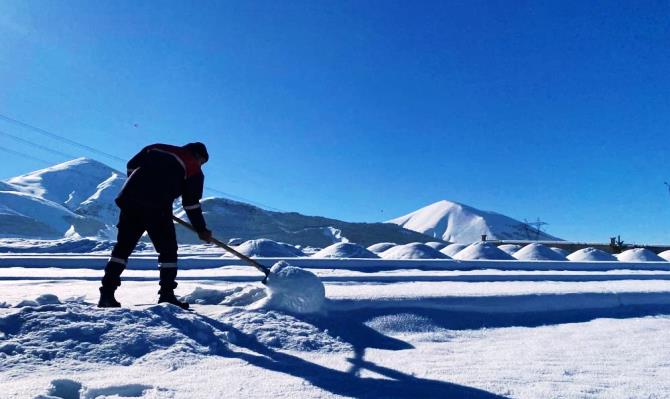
(199, 151)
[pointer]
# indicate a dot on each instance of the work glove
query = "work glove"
(205, 235)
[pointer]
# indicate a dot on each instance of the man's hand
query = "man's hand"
(205, 235)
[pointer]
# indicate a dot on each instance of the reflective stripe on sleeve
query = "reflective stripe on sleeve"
(191, 207)
(167, 265)
(117, 260)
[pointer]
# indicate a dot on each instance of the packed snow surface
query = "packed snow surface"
(536, 251)
(482, 251)
(294, 289)
(345, 250)
(665, 255)
(268, 248)
(639, 255)
(452, 249)
(414, 250)
(510, 248)
(381, 247)
(591, 255)
(493, 332)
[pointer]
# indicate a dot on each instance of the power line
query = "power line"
(47, 133)
(45, 148)
(95, 150)
(20, 154)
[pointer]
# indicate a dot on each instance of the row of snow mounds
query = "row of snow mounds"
(539, 252)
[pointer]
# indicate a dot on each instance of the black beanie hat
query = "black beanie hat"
(198, 148)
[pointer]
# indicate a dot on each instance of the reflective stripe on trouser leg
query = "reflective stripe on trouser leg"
(118, 260)
(167, 265)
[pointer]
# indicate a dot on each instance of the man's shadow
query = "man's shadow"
(347, 383)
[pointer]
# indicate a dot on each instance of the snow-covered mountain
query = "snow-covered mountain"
(227, 218)
(80, 193)
(454, 222)
(45, 203)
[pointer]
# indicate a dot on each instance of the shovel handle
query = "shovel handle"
(218, 243)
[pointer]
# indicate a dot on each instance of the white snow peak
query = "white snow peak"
(454, 222)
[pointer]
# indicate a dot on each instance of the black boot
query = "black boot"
(107, 299)
(168, 284)
(110, 282)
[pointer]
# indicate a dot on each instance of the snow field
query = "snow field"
(477, 328)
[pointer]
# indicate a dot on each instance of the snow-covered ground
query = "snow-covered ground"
(389, 329)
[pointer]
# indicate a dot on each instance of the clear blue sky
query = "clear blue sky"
(365, 110)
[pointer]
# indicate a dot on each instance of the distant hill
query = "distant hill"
(454, 222)
(229, 219)
(77, 197)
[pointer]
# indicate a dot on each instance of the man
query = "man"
(157, 175)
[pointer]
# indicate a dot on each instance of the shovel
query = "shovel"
(218, 243)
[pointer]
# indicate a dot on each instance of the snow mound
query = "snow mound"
(452, 249)
(639, 255)
(294, 290)
(510, 248)
(115, 336)
(537, 251)
(591, 255)
(269, 249)
(414, 250)
(46, 299)
(437, 245)
(482, 251)
(345, 250)
(381, 247)
(665, 255)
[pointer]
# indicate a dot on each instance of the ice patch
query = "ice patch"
(294, 290)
